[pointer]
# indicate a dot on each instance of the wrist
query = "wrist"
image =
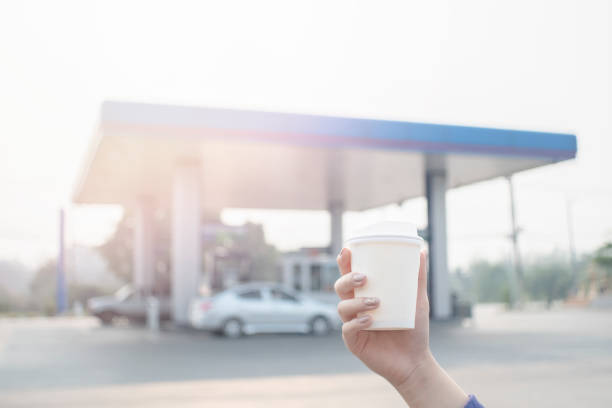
(421, 369)
(428, 386)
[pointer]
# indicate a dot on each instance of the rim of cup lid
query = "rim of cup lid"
(387, 230)
(394, 238)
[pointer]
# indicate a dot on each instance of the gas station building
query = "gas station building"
(195, 160)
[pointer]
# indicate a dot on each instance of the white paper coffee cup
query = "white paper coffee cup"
(388, 253)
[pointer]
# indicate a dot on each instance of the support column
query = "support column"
(186, 249)
(142, 260)
(439, 282)
(336, 210)
(335, 198)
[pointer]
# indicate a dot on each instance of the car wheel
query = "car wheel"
(232, 328)
(106, 318)
(320, 326)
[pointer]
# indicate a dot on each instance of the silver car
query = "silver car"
(127, 303)
(262, 308)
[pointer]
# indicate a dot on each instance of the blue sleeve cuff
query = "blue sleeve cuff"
(473, 403)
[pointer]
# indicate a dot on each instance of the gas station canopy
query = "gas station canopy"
(251, 159)
(197, 160)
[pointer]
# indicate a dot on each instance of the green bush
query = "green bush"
(491, 282)
(548, 278)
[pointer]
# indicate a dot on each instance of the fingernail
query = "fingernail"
(358, 277)
(371, 301)
(340, 254)
(364, 319)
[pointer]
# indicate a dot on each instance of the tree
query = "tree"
(246, 251)
(15, 277)
(7, 302)
(603, 262)
(263, 258)
(119, 248)
(491, 281)
(549, 278)
(42, 288)
(14, 285)
(240, 254)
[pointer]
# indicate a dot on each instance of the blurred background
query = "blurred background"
(178, 177)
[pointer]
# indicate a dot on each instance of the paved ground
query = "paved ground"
(552, 358)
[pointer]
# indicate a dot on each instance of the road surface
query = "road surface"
(538, 358)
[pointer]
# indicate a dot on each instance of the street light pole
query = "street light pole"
(60, 291)
(518, 265)
(572, 244)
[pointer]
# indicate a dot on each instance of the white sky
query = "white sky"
(538, 65)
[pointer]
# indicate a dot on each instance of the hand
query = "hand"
(394, 354)
(402, 357)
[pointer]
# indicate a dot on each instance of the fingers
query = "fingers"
(344, 261)
(346, 284)
(422, 298)
(349, 308)
(422, 291)
(352, 327)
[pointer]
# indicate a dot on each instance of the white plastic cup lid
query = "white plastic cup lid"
(386, 229)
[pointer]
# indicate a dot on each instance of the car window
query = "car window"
(250, 295)
(282, 295)
(124, 293)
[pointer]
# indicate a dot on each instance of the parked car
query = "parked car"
(126, 302)
(262, 308)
